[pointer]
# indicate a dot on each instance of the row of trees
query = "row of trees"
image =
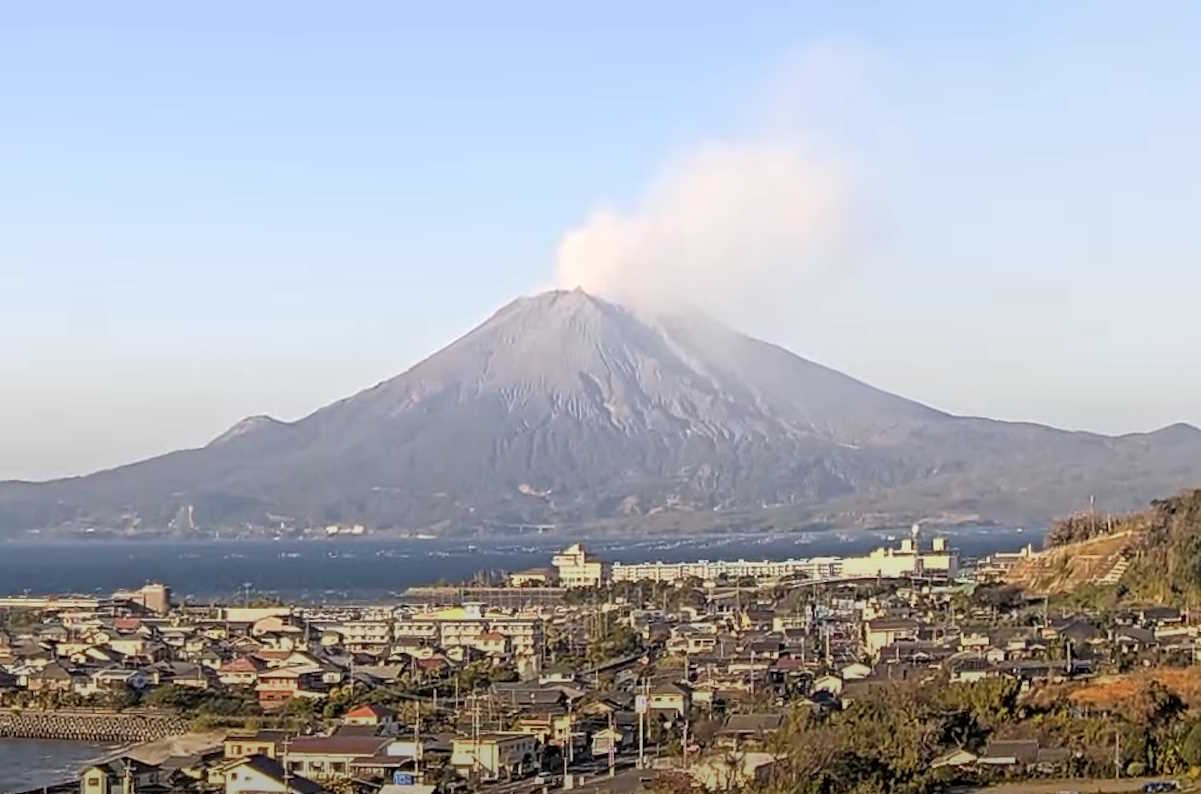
(888, 742)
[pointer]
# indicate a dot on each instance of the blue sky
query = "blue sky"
(234, 209)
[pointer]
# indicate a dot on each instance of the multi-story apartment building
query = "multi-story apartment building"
(708, 570)
(578, 568)
(463, 626)
(366, 635)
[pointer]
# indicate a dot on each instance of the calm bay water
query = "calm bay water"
(28, 763)
(370, 569)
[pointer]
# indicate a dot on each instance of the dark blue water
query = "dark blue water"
(371, 569)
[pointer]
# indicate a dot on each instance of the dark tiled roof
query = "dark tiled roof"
(272, 769)
(338, 745)
(1025, 751)
(753, 723)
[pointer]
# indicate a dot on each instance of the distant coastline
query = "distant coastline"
(373, 569)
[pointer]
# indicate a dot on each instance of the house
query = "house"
(277, 687)
(1160, 616)
(855, 671)
(242, 671)
(115, 679)
(534, 577)
(743, 727)
(331, 755)
(554, 725)
(267, 743)
(492, 643)
(1133, 639)
(558, 674)
(114, 777)
(258, 774)
(274, 624)
(692, 642)
(181, 674)
(1023, 753)
(494, 756)
(609, 738)
(51, 678)
(1077, 630)
(882, 632)
(955, 757)
(732, 772)
(370, 714)
(606, 704)
(671, 697)
(972, 668)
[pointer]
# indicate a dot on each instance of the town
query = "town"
(712, 675)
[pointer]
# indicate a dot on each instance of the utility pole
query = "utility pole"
(564, 754)
(570, 732)
(417, 742)
(286, 766)
(612, 747)
(475, 735)
(641, 727)
(1117, 752)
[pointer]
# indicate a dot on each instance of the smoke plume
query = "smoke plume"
(724, 228)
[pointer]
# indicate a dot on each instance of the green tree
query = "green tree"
(1190, 747)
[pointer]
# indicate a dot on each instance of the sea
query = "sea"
(367, 569)
(370, 570)
(29, 763)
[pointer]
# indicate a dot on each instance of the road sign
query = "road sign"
(641, 704)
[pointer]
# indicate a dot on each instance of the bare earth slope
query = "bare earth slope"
(565, 409)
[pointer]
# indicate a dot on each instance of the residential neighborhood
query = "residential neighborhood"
(624, 684)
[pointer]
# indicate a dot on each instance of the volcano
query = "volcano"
(566, 410)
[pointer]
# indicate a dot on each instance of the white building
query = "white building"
(577, 568)
(908, 560)
(259, 774)
(494, 755)
(709, 570)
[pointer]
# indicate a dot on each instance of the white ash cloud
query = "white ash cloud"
(745, 227)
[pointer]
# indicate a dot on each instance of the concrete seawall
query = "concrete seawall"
(96, 727)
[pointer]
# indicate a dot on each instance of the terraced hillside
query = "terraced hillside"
(1102, 560)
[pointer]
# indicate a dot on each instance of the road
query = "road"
(1081, 785)
(593, 772)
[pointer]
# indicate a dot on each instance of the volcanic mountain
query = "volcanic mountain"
(564, 409)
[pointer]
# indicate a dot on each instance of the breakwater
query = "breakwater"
(89, 726)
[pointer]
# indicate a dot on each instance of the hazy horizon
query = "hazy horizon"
(988, 211)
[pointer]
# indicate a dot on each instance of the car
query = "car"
(1158, 786)
(545, 779)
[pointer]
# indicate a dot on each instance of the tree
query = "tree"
(1190, 747)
